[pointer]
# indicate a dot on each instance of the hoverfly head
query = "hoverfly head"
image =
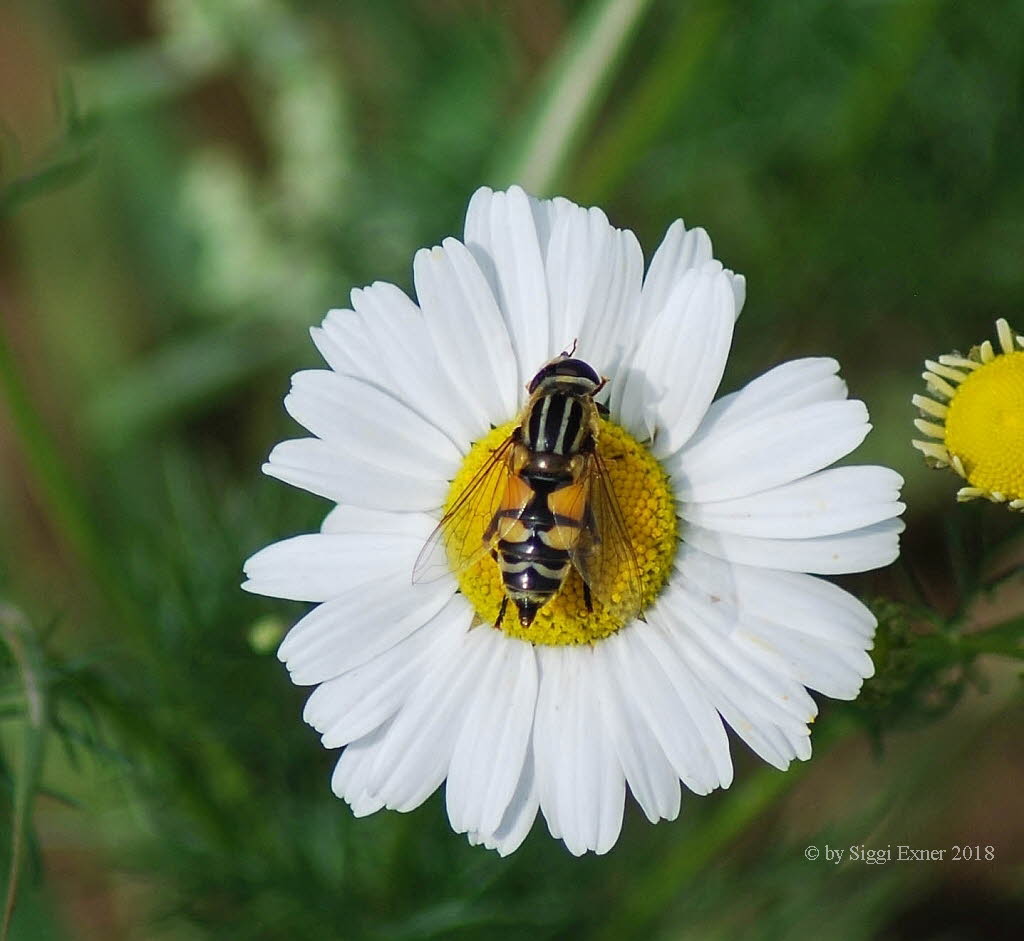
(563, 371)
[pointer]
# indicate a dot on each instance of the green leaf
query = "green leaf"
(68, 159)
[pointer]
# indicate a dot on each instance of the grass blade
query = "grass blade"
(570, 94)
(21, 642)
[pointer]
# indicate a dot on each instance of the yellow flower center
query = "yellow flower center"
(985, 426)
(648, 509)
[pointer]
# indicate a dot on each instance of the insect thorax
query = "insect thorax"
(559, 422)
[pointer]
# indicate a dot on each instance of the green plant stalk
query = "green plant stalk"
(1005, 639)
(651, 106)
(654, 889)
(59, 493)
(575, 85)
(22, 643)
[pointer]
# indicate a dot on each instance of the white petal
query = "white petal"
(501, 232)
(357, 625)
(581, 785)
(546, 215)
(765, 707)
(519, 816)
(369, 424)
(807, 604)
(594, 276)
(317, 566)
(469, 334)
(414, 757)
(577, 240)
(345, 345)
(352, 773)
(739, 289)
(650, 777)
(404, 358)
(609, 329)
(681, 718)
(490, 750)
(320, 468)
(355, 703)
(831, 501)
(676, 370)
(767, 452)
(858, 551)
(819, 630)
(548, 722)
(355, 519)
(686, 615)
(680, 251)
(832, 669)
(783, 389)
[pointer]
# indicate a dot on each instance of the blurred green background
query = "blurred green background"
(187, 185)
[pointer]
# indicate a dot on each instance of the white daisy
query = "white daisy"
(728, 502)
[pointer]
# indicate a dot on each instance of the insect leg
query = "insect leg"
(587, 600)
(501, 611)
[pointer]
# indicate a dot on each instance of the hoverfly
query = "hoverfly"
(548, 502)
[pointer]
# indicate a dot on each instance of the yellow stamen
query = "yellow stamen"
(648, 507)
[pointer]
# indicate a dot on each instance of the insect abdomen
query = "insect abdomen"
(533, 554)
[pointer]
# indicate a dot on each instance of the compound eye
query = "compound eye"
(578, 369)
(551, 369)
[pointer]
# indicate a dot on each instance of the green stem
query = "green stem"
(573, 88)
(59, 492)
(1005, 639)
(652, 891)
(653, 103)
(21, 641)
(60, 496)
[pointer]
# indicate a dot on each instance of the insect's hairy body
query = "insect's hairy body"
(551, 446)
(542, 504)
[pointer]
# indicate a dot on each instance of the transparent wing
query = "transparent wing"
(473, 525)
(603, 552)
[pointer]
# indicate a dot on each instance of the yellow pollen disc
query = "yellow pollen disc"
(648, 508)
(985, 426)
